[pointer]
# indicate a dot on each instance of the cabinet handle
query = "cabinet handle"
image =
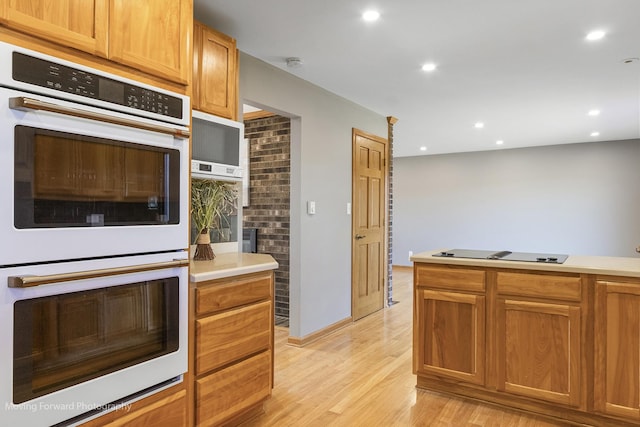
(24, 103)
(27, 281)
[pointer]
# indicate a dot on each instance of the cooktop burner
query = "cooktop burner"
(503, 255)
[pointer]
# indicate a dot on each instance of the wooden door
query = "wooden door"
(617, 349)
(368, 264)
(215, 72)
(153, 36)
(538, 350)
(81, 24)
(451, 335)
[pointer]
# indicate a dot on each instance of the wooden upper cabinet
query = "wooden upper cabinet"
(152, 36)
(80, 24)
(617, 349)
(215, 72)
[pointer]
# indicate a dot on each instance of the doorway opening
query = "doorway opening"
(267, 209)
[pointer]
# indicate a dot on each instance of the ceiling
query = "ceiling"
(524, 69)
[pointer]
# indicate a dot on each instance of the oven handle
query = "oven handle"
(24, 103)
(28, 280)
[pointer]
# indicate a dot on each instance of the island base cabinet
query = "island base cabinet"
(617, 349)
(232, 390)
(538, 350)
(451, 343)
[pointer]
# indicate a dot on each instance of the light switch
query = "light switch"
(311, 207)
(349, 208)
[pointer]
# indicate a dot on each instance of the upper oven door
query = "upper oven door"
(81, 182)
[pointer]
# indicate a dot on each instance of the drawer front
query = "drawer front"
(459, 279)
(225, 337)
(222, 395)
(540, 286)
(224, 294)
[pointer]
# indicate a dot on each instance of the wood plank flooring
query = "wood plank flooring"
(361, 376)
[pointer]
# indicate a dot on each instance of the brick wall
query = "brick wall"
(269, 200)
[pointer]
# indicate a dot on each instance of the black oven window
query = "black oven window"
(71, 180)
(63, 340)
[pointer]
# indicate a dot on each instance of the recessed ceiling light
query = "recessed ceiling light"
(371, 15)
(596, 35)
(479, 125)
(429, 66)
(423, 148)
(595, 133)
(594, 112)
(499, 142)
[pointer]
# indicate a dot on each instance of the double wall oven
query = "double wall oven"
(94, 173)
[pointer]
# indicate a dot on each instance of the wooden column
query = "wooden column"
(390, 122)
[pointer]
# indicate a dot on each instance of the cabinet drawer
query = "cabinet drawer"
(221, 295)
(540, 286)
(225, 337)
(459, 279)
(229, 391)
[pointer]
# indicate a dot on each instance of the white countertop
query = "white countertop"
(614, 266)
(230, 264)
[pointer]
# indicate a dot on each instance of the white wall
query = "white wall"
(574, 199)
(320, 264)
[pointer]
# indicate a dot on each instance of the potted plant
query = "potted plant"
(211, 202)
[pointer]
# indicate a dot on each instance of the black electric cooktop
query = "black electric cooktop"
(503, 255)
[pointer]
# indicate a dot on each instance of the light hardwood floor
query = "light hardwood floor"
(361, 376)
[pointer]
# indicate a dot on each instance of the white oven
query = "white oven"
(83, 337)
(94, 177)
(91, 164)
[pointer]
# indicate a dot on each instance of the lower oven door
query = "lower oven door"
(85, 336)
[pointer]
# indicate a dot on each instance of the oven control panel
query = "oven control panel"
(51, 75)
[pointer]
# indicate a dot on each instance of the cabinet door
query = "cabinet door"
(230, 391)
(538, 350)
(450, 337)
(153, 36)
(225, 337)
(81, 24)
(215, 72)
(617, 349)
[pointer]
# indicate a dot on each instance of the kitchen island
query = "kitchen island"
(557, 339)
(231, 318)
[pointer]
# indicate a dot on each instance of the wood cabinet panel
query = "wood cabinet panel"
(451, 342)
(450, 278)
(617, 349)
(221, 295)
(81, 24)
(540, 285)
(170, 411)
(227, 392)
(229, 336)
(231, 348)
(539, 350)
(215, 71)
(152, 36)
